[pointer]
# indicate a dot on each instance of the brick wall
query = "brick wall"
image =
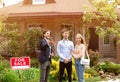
(107, 50)
(54, 24)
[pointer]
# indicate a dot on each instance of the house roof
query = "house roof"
(61, 7)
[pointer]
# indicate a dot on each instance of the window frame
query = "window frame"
(108, 40)
(36, 2)
(33, 26)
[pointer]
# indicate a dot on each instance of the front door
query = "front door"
(93, 43)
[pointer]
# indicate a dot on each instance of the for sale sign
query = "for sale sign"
(20, 62)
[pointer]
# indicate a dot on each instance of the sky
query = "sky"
(11, 2)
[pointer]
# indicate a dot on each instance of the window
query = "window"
(38, 2)
(106, 40)
(33, 34)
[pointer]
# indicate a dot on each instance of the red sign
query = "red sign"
(20, 62)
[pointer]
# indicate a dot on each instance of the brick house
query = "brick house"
(58, 14)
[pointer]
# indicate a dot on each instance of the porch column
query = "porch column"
(118, 51)
(22, 25)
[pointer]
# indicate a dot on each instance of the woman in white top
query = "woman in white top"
(77, 53)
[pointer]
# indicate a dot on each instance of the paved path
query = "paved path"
(116, 80)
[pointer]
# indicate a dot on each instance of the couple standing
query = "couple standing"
(65, 50)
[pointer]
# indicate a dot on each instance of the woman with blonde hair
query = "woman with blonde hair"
(77, 53)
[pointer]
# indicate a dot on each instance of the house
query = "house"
(56, 15)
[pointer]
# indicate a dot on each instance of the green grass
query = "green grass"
(92, 79)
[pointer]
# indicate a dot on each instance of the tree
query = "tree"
(103, 12)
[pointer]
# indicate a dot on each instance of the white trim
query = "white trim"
(34, 25)
(35, 2)
(20, 67)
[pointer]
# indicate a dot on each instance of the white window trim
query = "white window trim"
(34, 25)
(35, 2)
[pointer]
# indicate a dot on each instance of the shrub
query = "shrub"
(34, 62)
(54, 73)
(94, 57)
(10, 76)
(31, 37)
(1, 67)
(4, 63)
(110, 67)
(54, 69)
(30, 74)
(1, 71)
(15, 75)
(91, 71)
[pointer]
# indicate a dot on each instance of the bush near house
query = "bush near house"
(34, 63)
(54, 73)
(110, 67)
(92, 71)
(94, 58)
(13, 41)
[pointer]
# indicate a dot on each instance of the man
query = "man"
(64, 48)
(45, 56)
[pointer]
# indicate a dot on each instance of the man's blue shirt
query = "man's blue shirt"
(64, 48)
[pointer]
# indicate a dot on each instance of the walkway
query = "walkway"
(116, 80)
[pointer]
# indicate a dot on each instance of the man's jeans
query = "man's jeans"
(44, 71)
(79, 70)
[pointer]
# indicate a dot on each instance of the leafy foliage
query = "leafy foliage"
(10, 76)
(91, 71)
(17, 75)
(34, 62)
(30, 74)
(32, 37)
(106, 15)
(94, 58)
(11, 36)
(54, 73)
(110, 67)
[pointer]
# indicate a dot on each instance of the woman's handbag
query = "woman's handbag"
(85, 60)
